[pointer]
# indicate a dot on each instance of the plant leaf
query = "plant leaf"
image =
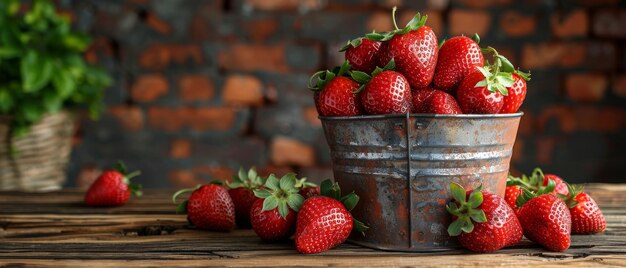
(288, 181)
(350, 200)
(283, 210)
(454, 229)
(269, 203)
(325, 187)
(478, 215)
(272, 182)
(475, 199)
(262, 193)
(295, 201)
(458, 193)
(36, 71)
(360, 77)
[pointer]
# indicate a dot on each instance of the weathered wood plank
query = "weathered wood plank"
(55, 229)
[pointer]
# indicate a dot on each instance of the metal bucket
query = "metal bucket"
(402, 165)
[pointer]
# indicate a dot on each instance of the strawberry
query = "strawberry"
(419, 96)
(587, 218)
(325, 222)
(307, 189)
(561, 185)
(483, 221)
(413, 48)
(273, 216)
(545, 218)
(385, 91)
(362, 54)
(113, 187)
(241, 191)
(516, 93)
(511, 194)
(458, 56)
(483, 89)
(335, 94)
(209, 207)
(438, 102)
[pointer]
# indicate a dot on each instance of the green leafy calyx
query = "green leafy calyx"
(417, 22)
(465, 209)
(249, 180)
(135, 188)
(352, 43)
(319, 80)
(281, 194)
(181, 208)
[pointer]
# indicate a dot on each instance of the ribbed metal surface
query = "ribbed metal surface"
(402, 165)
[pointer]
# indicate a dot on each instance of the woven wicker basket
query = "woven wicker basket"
(40, 157)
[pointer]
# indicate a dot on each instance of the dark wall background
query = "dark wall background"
(203, 87)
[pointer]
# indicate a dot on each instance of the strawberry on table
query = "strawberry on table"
(362, 54)
(483, 221)
(307, 188)
(458, 56)
(413, 48)
(335, 94)
(241, 190)
(560, 184)
(385, 91)
(536, 182)
(545, 218)
(273, 216)
(510, 196)
(587, 218)
(438, 102)
(209, 207)
(325, 221)
(113, 187)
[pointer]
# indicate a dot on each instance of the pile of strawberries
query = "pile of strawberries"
(276, 209)
(406, 70)
(544, 208)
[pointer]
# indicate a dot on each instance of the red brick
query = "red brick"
(184, 179)
(610, 23)
(281, 5)
(526, 125)
(209, 118)
(619, 86)
(516, 24)
(195, 88)
(311, 116)
(86, 176)
(254, 57)
(564, 117)
(586, 87)
(158, 24)
(130, 117)
(200, 30)
(222, 173)
(149, 87)
(261, 29)
(545, 149)
(546, 55)
(159, 56)
(468, 22)
(605, 119)
(169, 119)
(439, 5)
(244, 90)
(180, 148)
(381, 22)
(572, 24)
(288, 151)
(518, 151)
(101, 46)
(485, 3)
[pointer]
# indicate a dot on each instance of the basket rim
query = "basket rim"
(383, 116)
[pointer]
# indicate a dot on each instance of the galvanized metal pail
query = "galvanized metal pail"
(402, 165)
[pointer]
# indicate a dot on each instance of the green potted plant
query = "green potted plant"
(43, 76)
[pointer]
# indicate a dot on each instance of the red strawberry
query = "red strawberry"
(307, 189)
(545, 219)
(516, 93)
(511, 194)
(385, 92)
(335, 94)
(587, 218)
(112, 188)
(475, 99)
(241, 191)
(209, 207)
(438, 102)
(273, 217)
(458, 56)
(413, 48)
(419, 96)
(324, 222)
(560, 187)
(483, 221)
(362, 54)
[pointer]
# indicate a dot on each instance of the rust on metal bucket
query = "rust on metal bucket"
(402, 165)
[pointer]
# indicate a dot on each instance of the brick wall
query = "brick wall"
(205, 86)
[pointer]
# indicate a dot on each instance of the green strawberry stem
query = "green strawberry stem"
(182, 207)
(281, 194)
(249, 180)
(528, 195)
(466, 211)
(570, 199)
(393, 17)
(304, 183)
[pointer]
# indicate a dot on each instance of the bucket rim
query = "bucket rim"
(383, 116)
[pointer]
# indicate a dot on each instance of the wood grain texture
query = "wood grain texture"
(56, 229)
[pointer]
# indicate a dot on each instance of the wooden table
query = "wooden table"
(56, 229)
